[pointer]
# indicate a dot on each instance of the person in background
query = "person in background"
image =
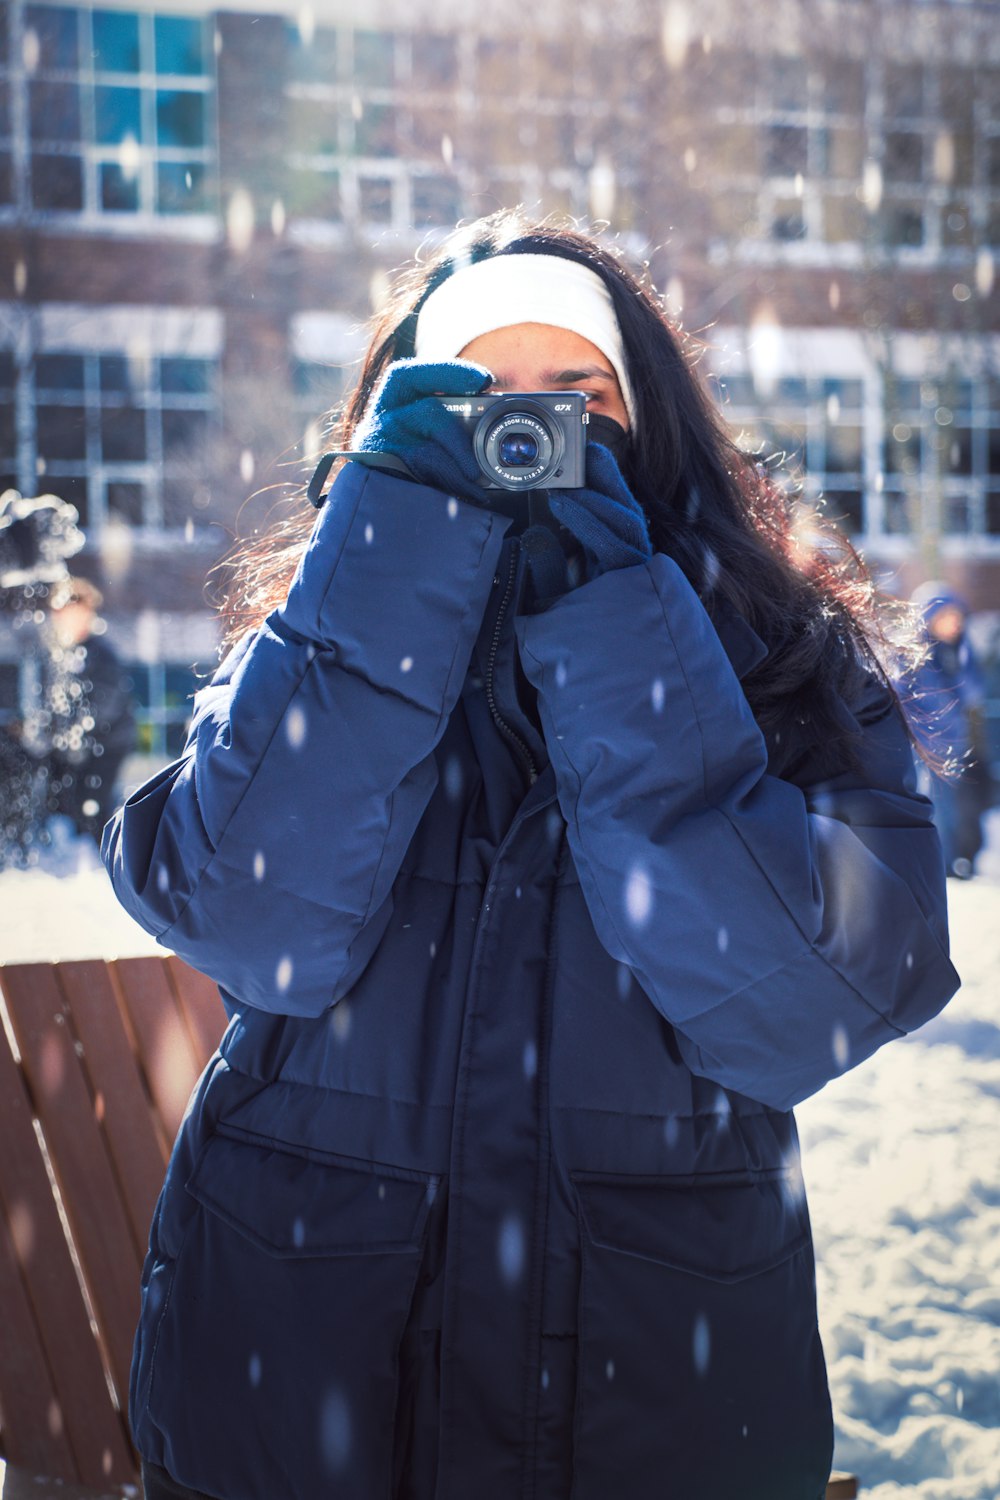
(948, 692)
(37, 536)
(88, 706)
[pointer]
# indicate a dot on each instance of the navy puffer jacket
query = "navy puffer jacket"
(492, 1188)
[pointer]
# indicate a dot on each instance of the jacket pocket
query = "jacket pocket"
(275, 1369)
(700, 1366)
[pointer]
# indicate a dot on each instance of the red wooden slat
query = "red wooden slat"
(22, 1484)
(33, 1422)
(164, 1042)
(94, 1429)
(201, 1004)
(842, 1486)
(122, 1105)
(97, 1217)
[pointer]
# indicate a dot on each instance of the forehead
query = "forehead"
(539, 343)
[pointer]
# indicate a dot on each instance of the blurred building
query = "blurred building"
(198, 208)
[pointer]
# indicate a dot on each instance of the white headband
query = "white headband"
(507, 289)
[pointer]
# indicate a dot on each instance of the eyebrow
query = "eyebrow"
(559, 377)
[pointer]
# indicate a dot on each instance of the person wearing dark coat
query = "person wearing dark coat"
(948, 692)
(37, 536)
(90, 715)
(547, 850)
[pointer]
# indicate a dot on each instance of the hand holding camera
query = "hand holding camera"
(604, 516)
(453, 437)
(435, 418)
(409, 419)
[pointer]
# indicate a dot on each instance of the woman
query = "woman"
(90, 721)
(948, 691)
(543, 868)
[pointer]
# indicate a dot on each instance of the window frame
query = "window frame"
(138, 164)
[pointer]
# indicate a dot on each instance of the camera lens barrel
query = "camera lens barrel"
(518, 444)
(526, 440)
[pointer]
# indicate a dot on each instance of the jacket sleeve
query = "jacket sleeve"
(266, 854)
(785, 932)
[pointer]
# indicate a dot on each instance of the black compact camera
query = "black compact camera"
(526, 441)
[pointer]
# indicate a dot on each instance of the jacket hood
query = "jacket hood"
(934, 595)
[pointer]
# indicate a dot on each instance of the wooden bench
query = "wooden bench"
(96, 1066)
(97, 1060)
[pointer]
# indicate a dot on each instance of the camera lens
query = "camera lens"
(519, 440)
(517, 450)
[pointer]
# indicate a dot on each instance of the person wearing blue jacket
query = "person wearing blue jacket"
(546, 853)
(947, 691)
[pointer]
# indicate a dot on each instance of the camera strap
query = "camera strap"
(389, 463)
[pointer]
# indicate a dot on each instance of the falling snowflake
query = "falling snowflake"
(638, 897)
(841, 1047)
(454, 778)
(511, 1249)
(335, 1431)
(295, 727)
(701, 1344)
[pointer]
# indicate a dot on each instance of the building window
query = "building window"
(434, 61)
(381, 133)
(942, 454)
(318, 390)
(327, 351)
(436, 200)
(849, 152)
(815, 425)
(903, 223)
(124, 439)
(345, 136)
(788, 138)
(904, 157)
(936, 469)
(786, 150)
(8, 423)
(163, 692)
(119, 109)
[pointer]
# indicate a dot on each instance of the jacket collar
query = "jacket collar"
(740, 641)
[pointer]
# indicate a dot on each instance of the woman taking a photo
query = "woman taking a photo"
(546, 854)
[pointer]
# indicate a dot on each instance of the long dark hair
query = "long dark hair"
(738, 533)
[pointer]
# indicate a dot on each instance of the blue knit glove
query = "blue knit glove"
(606, 518)
(435, 444)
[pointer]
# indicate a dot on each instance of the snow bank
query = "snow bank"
(43, 916)
(902, 1165)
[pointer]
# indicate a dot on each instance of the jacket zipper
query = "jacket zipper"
(498, 719)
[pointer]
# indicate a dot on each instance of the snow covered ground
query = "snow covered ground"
(902, 1165)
